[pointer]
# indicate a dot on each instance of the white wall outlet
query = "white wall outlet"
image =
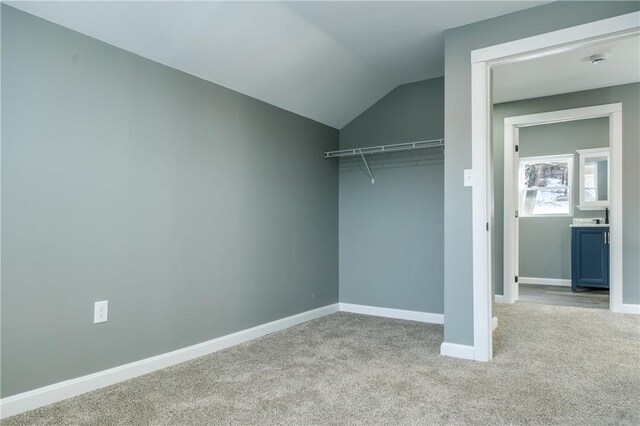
(100, 311)
(468, 177)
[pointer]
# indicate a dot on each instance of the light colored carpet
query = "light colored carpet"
(553, 365)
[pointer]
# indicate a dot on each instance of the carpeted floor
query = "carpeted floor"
(553, 365)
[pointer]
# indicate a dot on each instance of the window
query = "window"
(545, 186)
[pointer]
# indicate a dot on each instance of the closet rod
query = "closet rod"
(384, 149)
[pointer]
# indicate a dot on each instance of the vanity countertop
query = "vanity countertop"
(589, 225)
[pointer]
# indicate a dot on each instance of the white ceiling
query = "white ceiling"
(328, 61)
(569, 71)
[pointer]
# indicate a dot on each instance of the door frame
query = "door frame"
(482, 194)
(512, 126)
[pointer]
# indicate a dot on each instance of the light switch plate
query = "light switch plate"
(468, 181)
(101, 311)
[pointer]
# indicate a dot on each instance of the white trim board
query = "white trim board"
(627, 308)
(392, 313)
(457, 351)
(558, 41)
(545, 281)
(46, 395)
(560, 116)
(482, 205)
(499, 298)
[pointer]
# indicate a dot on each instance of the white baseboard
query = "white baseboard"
(46, 395)
(499, 298)
(457, 351)
(392, 313)
(545, 281)
(628, 308)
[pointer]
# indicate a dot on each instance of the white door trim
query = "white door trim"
(511, 249)
(511, 129)
(482, 195)
(482, 59)
(572, 114)
(558, 41)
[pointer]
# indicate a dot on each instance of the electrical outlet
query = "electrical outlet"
(100, 311)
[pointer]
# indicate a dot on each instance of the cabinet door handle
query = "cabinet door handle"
(606, 238)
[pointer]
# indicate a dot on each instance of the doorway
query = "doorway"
(483, 60)
(515, 167)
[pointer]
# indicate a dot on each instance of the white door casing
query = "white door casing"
(511, 237)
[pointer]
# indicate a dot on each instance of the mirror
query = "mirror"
(594, 178)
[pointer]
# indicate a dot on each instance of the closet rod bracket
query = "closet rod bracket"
(373, 180)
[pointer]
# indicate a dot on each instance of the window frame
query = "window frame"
(523, 161)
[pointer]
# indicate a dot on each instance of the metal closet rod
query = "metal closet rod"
(382, 149)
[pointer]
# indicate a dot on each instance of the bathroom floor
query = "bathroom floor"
(562, 296)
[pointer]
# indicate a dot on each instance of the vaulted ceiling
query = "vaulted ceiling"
(328, 61)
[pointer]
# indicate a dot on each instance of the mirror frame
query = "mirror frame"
(584, 155)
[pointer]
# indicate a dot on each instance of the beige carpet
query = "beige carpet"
(553, 365)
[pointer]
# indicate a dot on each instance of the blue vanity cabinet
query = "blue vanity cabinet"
(589, 257)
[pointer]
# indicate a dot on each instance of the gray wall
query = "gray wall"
(585, 134)
(391, 233)
(459, 42)
(196, 211)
